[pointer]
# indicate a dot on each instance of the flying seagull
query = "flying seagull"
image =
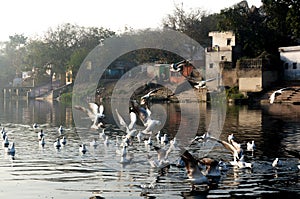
(202, 84)
(95, 113)
(275, 94)
(177, 67)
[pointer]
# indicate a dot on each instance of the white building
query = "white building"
(291, 62)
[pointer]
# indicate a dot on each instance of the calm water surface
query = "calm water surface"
(48, 173)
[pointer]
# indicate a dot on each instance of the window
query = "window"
(295, 65)
(211, 65)
(286, 66)
(228, 41)
(223, 58)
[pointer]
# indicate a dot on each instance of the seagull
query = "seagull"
(5, 142)
(275, 94)
(57, 143)
(151, 124)
(130, 129)
(202, 84)
(35, 127)
(11, 149)
(276, 163)
(164, 140)
(94, 143)
(64, 141)
(195, 176)
(82, 148)
(41, 134)
(95, 113)
(211, 167)
(158, 136)
(237, 152)
(250, 146)
(149, 94)
(42, 142)
(102, 135)
(60, 130)
(177, 67)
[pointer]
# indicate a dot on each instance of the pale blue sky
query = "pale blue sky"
(34, 17)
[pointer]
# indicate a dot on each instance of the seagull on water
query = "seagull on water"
(60, 130)
(237, 152)
(42, 142)
(194, 173)
(64, 141)
(277, 163)
(251, 146)
(11, 149)
(5, 142)
(57, 143)
(82, 149)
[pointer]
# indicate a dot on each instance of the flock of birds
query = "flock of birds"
(143, 128)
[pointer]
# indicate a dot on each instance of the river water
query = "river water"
(38, 172)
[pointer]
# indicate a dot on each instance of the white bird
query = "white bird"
(202, 84)
(148, 143)
(102, 135)
(82, 148)
(64, 141)
(106, 141)
(130, 129)
(251, 146)
(11, 149)
(57, 143)
(60, 130)
(5, 142)
(95, 113)
(151, 124)
(41, 134)
(158, 136)
(237, 152)
(149, 94)
(177, 67)
(194, 173)
(94, 143)
(276, 163)
(36, 127)
(139, 136)
(164, 140)
(275, 94)
(42, 142)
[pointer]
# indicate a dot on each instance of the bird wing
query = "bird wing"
(87, 111)
(94, 107)
(133, 120)
(211, 79)
(101, 109)
(121, 120)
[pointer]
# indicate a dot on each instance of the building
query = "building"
(290, 56)
(223, 60)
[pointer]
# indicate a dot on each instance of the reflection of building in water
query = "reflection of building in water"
(34, 111)
(249, 117)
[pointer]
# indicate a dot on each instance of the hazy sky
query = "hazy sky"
(34, 17)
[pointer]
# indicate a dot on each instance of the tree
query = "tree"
(283, 16)
(196, 24)
(14, 51)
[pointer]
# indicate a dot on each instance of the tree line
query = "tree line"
(276, 23)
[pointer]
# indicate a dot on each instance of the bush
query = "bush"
(66, 98)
